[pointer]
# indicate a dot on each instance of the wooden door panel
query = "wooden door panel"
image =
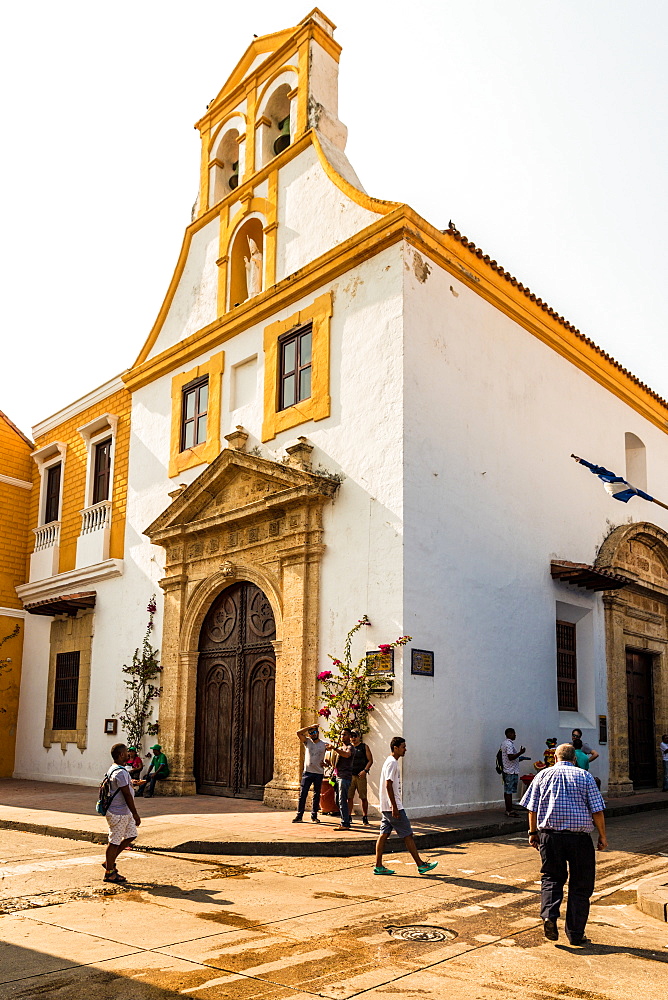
(640, 703)
(260, 723)
(235, 694)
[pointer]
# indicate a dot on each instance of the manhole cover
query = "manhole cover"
(420, 932)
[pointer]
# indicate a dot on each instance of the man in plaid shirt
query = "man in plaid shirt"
(564, 805)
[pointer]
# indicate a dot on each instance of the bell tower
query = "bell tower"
(284, 86)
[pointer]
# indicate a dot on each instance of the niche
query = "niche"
(224, 167)
(249, 271)
(276, 134)
(636, 461)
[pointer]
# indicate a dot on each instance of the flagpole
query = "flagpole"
(654, 500)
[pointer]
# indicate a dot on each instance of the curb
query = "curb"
(652, 896)
(309, 849)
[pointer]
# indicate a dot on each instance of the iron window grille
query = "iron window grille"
(102, 471)
(194, 408)
(66, 692)
(295, 355)
(567, 668)
(52, 505)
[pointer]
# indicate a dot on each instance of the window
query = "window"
(102, 471)
(295, 367)
(567, 673)
(52, 499)
(66, 692)
(194, 412)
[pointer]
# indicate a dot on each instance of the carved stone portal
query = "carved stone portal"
(243, 519)
(636, 619)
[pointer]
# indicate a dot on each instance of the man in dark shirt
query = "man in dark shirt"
(344, 774)
(361, 759)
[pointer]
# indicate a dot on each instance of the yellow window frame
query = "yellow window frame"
(318, 405)
(206, 451)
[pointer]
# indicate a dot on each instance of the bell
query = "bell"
(283, 140)
(234, 179)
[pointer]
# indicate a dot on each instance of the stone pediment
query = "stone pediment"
(238, 484)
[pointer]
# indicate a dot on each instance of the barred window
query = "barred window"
(567, 669)
(66, 693)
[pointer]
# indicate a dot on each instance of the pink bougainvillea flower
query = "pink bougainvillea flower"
(384, 647)
(369, 708)
(355, 707)
(151, 607)
(324, 674)
(325, 712)
(337, 663)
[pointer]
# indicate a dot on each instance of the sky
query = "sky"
(540, 128)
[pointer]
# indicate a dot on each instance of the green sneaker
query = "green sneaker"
(423, 869)
(382, 870)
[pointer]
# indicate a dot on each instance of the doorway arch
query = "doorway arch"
(236, 677)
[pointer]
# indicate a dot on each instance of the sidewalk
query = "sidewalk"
(207, 824)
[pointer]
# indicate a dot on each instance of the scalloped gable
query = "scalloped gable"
(234, 483)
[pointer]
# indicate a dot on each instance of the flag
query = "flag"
(617, 487)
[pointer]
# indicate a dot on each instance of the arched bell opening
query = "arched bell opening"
(236, 678)
(276, 136)
(636, 461)
(247, 262)
(224, 167)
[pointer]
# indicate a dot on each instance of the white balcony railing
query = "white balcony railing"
(93, 540)
(96, 518)
(45, 557)
(47, 535)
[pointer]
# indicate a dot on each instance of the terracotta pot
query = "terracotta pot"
(328, 798)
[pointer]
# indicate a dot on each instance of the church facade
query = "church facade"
(342, 410)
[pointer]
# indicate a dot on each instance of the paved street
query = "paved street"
(280, 928)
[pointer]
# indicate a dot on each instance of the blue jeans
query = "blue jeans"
(308, 779)
(342, 789)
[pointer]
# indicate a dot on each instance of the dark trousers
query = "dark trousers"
(149, 788)
(572, 856)
(342, 792)
(309, 779)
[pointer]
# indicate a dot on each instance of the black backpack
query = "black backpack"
(105, 796)
(499, 761)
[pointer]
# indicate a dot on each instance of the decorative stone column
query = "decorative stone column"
(177, 702)
(619, 781)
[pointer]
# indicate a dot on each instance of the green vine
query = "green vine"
(5, 661)
(346, 694)
(140, 676)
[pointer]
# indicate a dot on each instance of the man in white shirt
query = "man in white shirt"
(394, 814)
(664, 753)
(510, 757)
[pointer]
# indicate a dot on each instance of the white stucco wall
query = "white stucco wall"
(195, 301)
(314, 214)
(491, 496)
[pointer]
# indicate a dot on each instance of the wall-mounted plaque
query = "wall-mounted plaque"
(382, 685)
(422, 662)
(381, 663)
(111, 726)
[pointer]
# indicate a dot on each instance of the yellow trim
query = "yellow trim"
(318, 405)
(215, 132)
(239, 194)
(303, 82)
(209, 449)
(287, 68)
(404, 224)
(235, 88)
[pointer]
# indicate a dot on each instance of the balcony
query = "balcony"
(93, 541)
(44, 558)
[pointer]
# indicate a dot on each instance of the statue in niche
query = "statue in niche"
(253, 269)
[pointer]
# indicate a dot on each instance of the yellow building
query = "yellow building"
(15, 492)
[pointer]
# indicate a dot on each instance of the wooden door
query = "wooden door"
(236, 671)
(642, 752)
